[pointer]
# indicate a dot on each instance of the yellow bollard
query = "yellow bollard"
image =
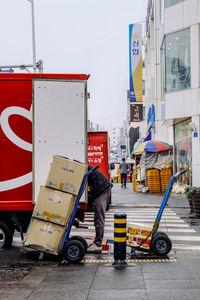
(119, 239)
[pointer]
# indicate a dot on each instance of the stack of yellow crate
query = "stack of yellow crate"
(118, 170)
(118, 175)
(133, 179)
(165, 176)
(135, 182)
(115, 179)
(153, 181)
(136, 186)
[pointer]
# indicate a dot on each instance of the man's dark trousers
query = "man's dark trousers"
(123, 179)
(100, 205)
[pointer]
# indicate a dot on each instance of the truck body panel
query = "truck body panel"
(16, 143)
(16, 136)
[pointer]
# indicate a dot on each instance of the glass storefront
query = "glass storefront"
(177, 61)
(183, 151)
(171, 2)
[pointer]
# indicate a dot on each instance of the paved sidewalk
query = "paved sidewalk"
(128, 197)
(146, 277)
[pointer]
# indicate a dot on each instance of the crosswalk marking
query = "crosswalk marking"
(136, 220)
(135, 212)
(110, 225)
(185, 238)
(138, 217)
(179, 232)
(143, 221)
(17, 239)
(186, 247)
(182, 235)
(161, 228)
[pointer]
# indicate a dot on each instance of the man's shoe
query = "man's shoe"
(93, 248)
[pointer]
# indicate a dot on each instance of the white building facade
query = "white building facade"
(173, 80)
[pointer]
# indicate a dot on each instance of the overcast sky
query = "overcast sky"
(77, 36)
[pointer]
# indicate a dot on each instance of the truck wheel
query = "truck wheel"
(81, 239)
(73, 251)
(161, 244)
(6, 236)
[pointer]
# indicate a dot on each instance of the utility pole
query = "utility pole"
(36, 65)
(33, 36)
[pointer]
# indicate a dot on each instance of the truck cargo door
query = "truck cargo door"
(59, 125)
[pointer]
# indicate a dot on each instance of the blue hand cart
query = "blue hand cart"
(153, 240)
(74, 248)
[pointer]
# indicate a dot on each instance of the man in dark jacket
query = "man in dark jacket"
(124, 168)
(100, 189)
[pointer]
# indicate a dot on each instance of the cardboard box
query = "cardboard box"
(138, 233)
(45, 236)
(66, 175)
(54, 206)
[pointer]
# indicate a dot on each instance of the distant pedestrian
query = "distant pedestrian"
(124, 168)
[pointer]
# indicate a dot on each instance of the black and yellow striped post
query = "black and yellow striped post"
(119, 239)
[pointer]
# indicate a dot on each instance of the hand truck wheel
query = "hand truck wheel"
(81, 239)
(73, 251)
(161, 244)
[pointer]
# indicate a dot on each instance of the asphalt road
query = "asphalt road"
(24, 276)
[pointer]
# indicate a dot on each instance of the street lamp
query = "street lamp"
(36, 65)
(33, 36)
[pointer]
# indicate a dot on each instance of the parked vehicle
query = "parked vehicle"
(99, 152)
(57, 106)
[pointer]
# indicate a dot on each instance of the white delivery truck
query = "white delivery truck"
(40, 115)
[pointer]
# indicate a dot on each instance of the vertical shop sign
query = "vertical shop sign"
(128, 107)
(136, 112)
(135, 62)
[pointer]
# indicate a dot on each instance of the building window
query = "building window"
(171, 2)
(143, 87)
(177, 61)
(162, 5)
(183, 151)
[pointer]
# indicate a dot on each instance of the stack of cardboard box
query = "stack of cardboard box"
(54, 205)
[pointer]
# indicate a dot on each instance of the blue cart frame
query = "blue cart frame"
(160, 242)
(164, 202)
(68, 230)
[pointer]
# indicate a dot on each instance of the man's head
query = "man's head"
(123, 159)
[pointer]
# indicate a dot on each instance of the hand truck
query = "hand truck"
(149, 239)
(74, 248)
